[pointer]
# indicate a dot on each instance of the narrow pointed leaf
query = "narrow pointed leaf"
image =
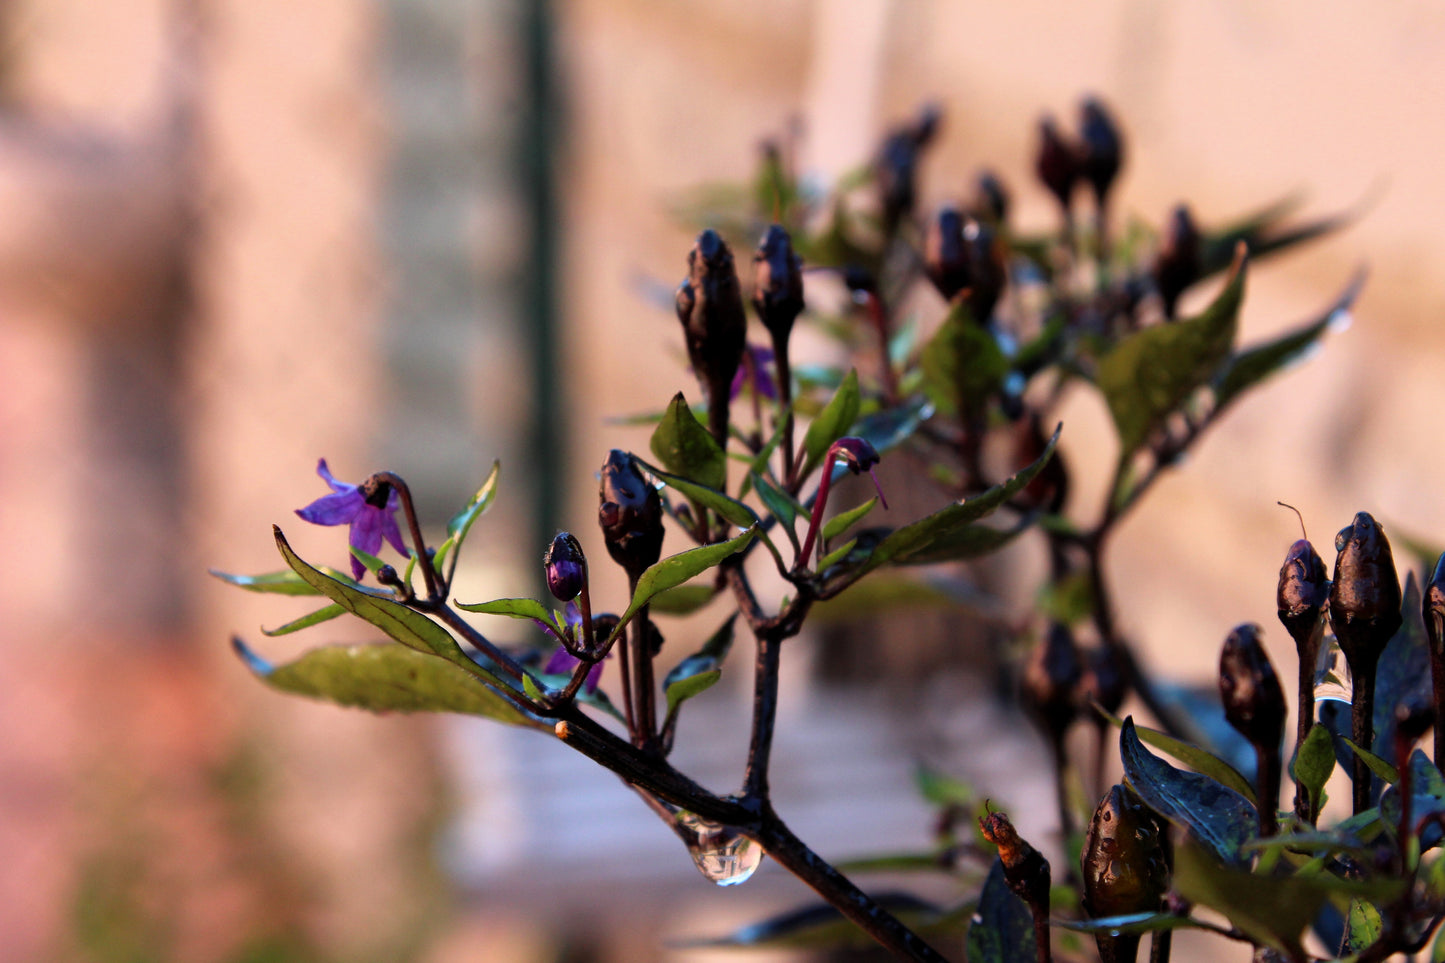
(683, 600)
(285, 582)
(1314, 763)
(385, 677)
(843, 521)
(688, 449)
(919, 537)
(306, 621)
(1194, 757)
(1152, 372)
(781, 504)
(368, 561)
(729, 508)
(411, 629)
(971, 541)
(1363, 927)
(461, 523)
(832, 423)
(1249, 367)
(701, 670)
(529, 609)
(1376, 765)
(1220, 818)
(679, 568)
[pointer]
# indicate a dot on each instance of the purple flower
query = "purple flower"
(563, 662)
(859, 456)
(350, 505)
(756, 368)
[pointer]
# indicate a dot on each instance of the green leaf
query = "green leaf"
(1264, 235)
(532, 688)
(1427, 798)
(942, 790)
(683, 600)
(411, 629)
(285, 582)
(1194, 757)
(370, 562)
(1220, 818)
(784, 508)
(688, 449)
(919, 537)
(461, 523)
(729, 508)
(1003, 929)
(385, 677)
(971, 541)
(1377, 765)
(1314, 763)
(306, 621)
(843, 521)
(1249, 367)
(699, 671)
(917, 591)
(1131, 923)
(1152, 372)
(1362, 927)
(529, 609)
(1272, 910)
(1069, 600)
(832, 423)
(676, 569)
(837, 555)
(962, 364)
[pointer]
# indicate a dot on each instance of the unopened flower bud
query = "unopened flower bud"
(1365, 596)
(710, 307)
(1125, 867)
(1249, 688)
(630, 513)
(1101, 150)
(990, 199)
(777, 282)
(1057, 163)
(1050, 682)
(945, 258)
(1104, 681)
(1024, 868)
(1050, 488)
(1303, 593)
(566, 567)
(1180, 261)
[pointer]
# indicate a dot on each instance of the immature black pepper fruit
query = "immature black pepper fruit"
(1101, 150)
(1254, 705)
(1050, 682)
(987, 268)
(945, 257)
(630, 513)
(1249, 688)
(990, 199)
(777, 282)
(1125, 867)
(1302, 597)
(1433, 606)
(566, 567)
(710, 307)
(1365, 613)
(896, 168)
(1057, 163)
(1180, 261)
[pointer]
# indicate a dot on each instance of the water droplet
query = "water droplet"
(722, 855)
(1333, 682)
(1115, 932)
(1341, 320)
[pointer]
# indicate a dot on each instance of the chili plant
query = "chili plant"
(745, 472)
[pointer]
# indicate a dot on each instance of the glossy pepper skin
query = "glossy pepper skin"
(945, 258)
(1101, 150)
(1050, 682)
(1026, 872)
(777, 282)
(565, 566)
(1057, 163)
(1302, 597)
(630, 513)
(1254, 705)
(1365, 613)
(714, 325)
(1125, 865)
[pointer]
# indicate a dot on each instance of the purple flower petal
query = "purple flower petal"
(338, 508)
(325, 473)
(561, 663)
(366, 529)
(594, 676)
(389, 530)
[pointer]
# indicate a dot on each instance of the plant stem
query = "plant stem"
(765, 711)
(1267, 786)
(785, 399)
(1362, 730)
(434, 590)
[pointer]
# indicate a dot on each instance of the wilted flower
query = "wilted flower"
(371, 515)
(860, 456)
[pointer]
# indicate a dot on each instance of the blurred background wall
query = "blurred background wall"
(239, 236)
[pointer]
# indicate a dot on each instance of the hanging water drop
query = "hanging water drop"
(723, 856)
(1333, 681)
